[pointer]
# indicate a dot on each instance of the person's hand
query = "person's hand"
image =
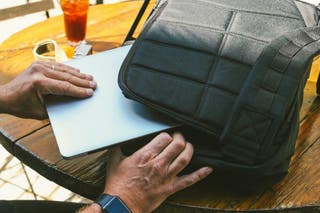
(23, 96)
(147, 177)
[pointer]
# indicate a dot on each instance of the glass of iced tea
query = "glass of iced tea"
(75, 19)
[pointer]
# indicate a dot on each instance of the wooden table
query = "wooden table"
(34, 144)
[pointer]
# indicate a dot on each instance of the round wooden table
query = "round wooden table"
(33, 142)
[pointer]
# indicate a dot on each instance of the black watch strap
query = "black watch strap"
(112, 204)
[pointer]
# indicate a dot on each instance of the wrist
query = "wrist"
(122, 197)
(93, 208)
(96, 208)
(112, 203)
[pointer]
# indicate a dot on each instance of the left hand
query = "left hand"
(150, 175)
(23, 96)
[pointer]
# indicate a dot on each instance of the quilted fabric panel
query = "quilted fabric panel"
(216, 107)
(251, 126)
(174, 60)
(204, 14)
(224, 76)
(272, 80)
(251, 26)
(249, 130)
(236, 48)
(205, 51)
(177, 91)
(284, 8)
(180, 34)
(272, 106)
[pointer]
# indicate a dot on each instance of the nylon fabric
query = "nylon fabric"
(232, 69)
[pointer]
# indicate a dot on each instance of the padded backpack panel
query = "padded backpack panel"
(233, 69)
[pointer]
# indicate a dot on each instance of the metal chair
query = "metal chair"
(28, 8)
(143, 8)
(129, 36)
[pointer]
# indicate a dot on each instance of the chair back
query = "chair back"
(28, 8)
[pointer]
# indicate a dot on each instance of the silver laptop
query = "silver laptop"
(107, 118)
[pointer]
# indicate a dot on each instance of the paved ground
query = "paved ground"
(19, 182)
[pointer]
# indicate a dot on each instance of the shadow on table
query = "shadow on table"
(100, 46)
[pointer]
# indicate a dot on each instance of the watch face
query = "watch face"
(112, 204)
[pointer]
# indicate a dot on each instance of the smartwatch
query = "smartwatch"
(112, 204)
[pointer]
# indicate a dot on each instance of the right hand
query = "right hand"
(24, 95)
(147, 177)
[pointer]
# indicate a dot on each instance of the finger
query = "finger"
(73, 71)
(59, 66)
(56, 87)
(68, 69)
(177, 145)
(181, 160)
(190, 179)
(75, 80)
(154, 147)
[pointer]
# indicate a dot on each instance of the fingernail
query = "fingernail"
(208, 170)
(89, 77)
(89, 92)
(93, 84)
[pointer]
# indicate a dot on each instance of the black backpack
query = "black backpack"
(233, 72)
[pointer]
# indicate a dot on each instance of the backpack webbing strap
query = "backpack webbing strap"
(268, 94)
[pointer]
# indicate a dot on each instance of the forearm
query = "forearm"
(93, 208)
(8, 102)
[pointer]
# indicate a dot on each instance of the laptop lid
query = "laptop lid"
(105, 119)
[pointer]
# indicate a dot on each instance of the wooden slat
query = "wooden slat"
(301, 187)
(171, 208)
(310, 100)
(42, 145)
(15, 128)
(25, 9)
(84, 175)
